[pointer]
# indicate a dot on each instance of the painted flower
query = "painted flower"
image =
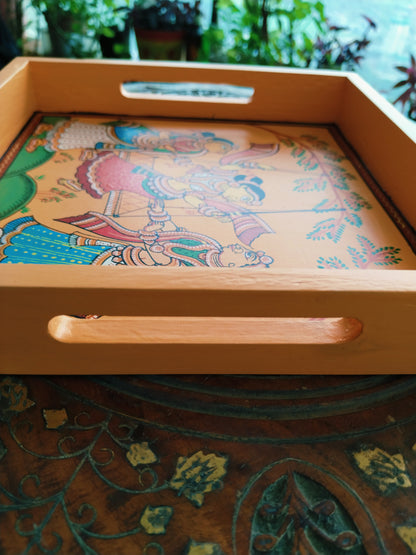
(13, 397)
(196, 548)
(386, 472)
(197, 475)
(155, 519)
(55, 418)
(408, 535)
(140, 454)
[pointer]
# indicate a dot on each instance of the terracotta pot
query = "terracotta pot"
(160, 45)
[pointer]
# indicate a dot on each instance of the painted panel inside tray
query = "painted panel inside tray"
(88, 190)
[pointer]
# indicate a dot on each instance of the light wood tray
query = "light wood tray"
(244, 235)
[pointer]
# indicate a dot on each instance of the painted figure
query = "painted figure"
(222, 194)
(68, 134)
(121, 161)
(26, 240)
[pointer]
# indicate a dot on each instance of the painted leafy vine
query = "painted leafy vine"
(329, 176)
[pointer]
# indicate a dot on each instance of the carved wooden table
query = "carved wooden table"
(208, 465)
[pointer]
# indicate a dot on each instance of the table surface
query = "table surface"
(191, 465)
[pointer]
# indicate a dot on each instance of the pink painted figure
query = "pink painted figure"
(225, 195)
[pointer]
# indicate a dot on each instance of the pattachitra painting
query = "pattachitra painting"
(148, 192)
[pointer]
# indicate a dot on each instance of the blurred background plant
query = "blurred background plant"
(332, 51)
(407, 99)
(166, 14)
(11, 30)
(167, 30)
(76, 26)
(11, 14)
(290, 33)
(262, 32)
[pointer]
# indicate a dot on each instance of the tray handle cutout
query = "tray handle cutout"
(204, 330)
(187, 91)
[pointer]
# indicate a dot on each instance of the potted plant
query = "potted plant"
(75, 25)
(8, 46)
(114, 30)
(331, 52)
(270, 32)
(408, 97)
(167, 30)
(265, 32)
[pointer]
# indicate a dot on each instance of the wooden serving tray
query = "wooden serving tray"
(203, 234)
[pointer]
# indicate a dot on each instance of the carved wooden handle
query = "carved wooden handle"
(204, 330)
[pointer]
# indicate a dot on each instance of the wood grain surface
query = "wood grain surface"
(186, 465)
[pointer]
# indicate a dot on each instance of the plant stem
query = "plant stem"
(264, 28)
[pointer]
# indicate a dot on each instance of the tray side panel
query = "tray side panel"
(17, 100)
(94, 86)
(385, 141)
(384, 305)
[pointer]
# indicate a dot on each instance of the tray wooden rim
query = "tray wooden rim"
(383, 300)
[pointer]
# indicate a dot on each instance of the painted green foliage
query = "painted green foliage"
(15, 192)
(298, 515)
(16, 187)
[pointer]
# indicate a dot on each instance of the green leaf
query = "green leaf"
(15, 192)
(320, 9)
(25, 161)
